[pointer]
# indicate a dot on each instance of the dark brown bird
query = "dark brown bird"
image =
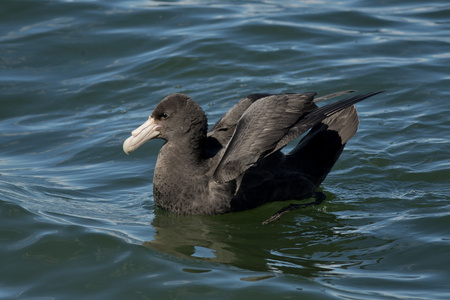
(238, 164)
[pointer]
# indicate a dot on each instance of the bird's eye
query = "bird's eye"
(164, 116)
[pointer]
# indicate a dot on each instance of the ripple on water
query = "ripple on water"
(78, 215)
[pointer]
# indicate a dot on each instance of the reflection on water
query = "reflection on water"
(307, 243)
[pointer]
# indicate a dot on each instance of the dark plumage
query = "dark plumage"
(238, 164)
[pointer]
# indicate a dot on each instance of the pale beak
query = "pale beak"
(140, 135)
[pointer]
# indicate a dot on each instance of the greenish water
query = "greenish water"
(77, 219)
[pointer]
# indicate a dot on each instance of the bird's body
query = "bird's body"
(238, 164)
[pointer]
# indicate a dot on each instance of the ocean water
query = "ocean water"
(77, 218)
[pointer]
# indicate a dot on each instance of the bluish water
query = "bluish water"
(77, 214)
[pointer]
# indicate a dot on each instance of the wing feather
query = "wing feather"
(269, 124)
(259, 130)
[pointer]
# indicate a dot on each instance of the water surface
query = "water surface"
(77, 214)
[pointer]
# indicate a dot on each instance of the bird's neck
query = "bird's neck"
(186, 152)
